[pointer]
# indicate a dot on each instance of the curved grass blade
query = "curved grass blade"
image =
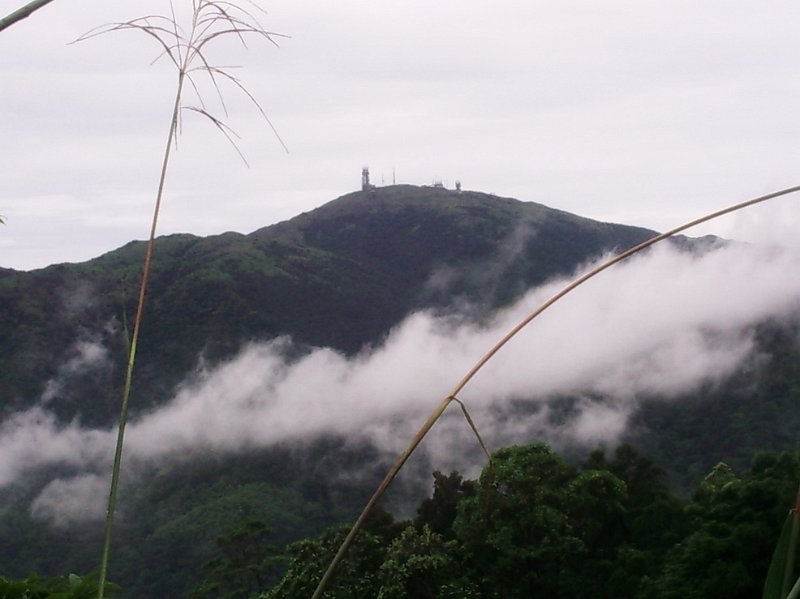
(443, 405)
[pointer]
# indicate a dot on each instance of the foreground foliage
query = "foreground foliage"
(71, 587)
(534, 525)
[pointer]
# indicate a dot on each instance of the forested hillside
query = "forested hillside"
(280, 370)
(340, 276)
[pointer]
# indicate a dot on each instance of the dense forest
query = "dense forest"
(532, 525)
(535, 526)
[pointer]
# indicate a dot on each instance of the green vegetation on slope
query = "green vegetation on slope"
(534, 525)
(340, 276)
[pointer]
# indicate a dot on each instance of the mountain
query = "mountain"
(341, 276)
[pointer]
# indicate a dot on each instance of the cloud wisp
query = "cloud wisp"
(659, 325)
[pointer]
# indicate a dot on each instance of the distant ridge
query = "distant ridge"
(340, 275)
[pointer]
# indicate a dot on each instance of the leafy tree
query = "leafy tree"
(646, 482)
(246, 564)
(421, 564)
(532, 521)
(439, 511)
(650, 524)
(735, 522)
(715, 483)
(356, 577)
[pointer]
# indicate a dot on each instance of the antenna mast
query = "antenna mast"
(365, 186)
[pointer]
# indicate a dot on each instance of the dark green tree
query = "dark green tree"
(646, 481)
(536, 526)
(421, 564)
(439, 511)
(246, 564)
(735, 523)
(652, 521)
(356, 577)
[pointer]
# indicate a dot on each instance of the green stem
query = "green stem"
(123, 417)
(437, 413)
(22, 13)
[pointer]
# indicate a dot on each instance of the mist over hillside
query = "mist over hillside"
(335, 333)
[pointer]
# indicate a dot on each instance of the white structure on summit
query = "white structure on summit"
(369, 187)
(365, 186)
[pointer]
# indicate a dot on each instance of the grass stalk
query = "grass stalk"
(443, 405)
(22, 13)
(211, 19)
(137, 323)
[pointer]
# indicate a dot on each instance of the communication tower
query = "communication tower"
(365, 186)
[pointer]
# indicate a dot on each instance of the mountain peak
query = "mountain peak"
(339, 276)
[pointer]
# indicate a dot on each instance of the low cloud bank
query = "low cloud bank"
(659, 325)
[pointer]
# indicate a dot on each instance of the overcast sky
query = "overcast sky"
(646, 113)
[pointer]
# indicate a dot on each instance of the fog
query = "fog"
(657, 326)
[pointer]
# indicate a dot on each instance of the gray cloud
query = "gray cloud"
(486, 275)
(33, 439)
(89, 354)
(659, 325)
(74, 500)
